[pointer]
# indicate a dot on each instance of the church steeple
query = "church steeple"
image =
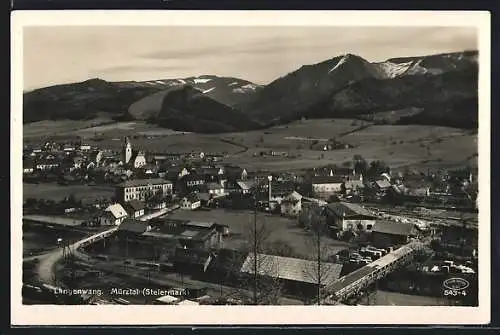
(127, 151)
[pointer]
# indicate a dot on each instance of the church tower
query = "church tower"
(127, 151)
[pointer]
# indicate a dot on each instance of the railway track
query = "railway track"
(435, 219)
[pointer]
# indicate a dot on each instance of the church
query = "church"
(132, 158)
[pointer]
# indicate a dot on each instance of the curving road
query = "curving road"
(45, 267)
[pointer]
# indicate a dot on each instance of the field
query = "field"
(175, 143)
(399, 145)
(42, 129)
(295, 134)
(278, 228)
(58, 192)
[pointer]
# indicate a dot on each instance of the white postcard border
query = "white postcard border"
(258, 315)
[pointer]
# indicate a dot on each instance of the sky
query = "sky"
(65, 54)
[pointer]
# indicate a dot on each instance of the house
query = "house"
(141, 189)
(159, 159)
(385, 176)
(112, 215)
(96, 157)
(382, 185)
(326, 186)
(68, 147)
(85, 147)
(167, 234)
(190, 202)
(131, 228)
(244, 186)
(215, 189)
(388, 233)
(44, 165)
(334, 171)
(77, 162)
(352, 187)
(272, 192)
(28, 166)
(35, 152)
(134, 208)
(157, 204)
(192, 181)
(344, 216)
(150, 169)
(211, 173)
(90, 165)
(209, 235)
(291, 205)
(205, 198)
(172, 172)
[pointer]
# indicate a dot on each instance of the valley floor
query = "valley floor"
(414, 146)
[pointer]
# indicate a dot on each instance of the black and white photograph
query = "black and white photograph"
(193, 160)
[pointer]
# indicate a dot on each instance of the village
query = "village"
(223, 234)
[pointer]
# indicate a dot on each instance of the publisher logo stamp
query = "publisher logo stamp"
(455, 287)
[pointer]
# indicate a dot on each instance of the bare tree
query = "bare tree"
(323, 271)
(264, 271)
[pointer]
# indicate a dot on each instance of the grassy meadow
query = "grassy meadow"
(399, 145)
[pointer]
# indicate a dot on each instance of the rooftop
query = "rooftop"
(191, 198)
(293, 197)
(394, 228)
(348, 209)
(294, 269)
(116, 210)
(144, 182)
(199, 224)
(180, 229)
(327, 179)
(159, 235)
(245, 184)
(209, 171)
(134, 226)
(135, 204)
(383, 183)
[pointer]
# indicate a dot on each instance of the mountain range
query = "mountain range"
(441, 88)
